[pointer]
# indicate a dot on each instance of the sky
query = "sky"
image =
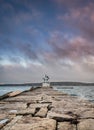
(53, 37)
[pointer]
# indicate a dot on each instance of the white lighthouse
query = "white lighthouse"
(46, 82)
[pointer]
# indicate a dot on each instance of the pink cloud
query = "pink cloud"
(81, 19)
(74, 49)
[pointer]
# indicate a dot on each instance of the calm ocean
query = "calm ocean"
(6, 89)
(85, 92)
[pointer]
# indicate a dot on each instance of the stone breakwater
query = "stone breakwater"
(45, 109)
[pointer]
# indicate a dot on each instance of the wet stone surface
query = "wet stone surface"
(45, 109)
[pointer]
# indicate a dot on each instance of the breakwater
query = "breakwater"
(45, 109)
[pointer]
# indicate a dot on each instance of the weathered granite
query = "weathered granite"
(57, 110)
(31, 123)
(65, 126)
(59, 117)
(12, 123)
(73, 107)
(42, 112)
(15, 93)
(13, 105)
(26, 112)
(3, 122)
(85, 113)
(2, 116)
(21, 98)
(38, 105)
(87, 124)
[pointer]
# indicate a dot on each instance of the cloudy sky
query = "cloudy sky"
(54, 37)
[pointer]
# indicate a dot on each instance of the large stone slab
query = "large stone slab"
(87, 124)
(13, 105)
(85, 113)
(60, 117)
(12, 123)
(4, 122)
(2, 116)
(31, 123)
(28, 98)
(42, 112)
(4, 96)
(66, 126)
(15, 93)
(73, 107)
(38, 105)
(61, 108)
(45, 97)
(26, 112)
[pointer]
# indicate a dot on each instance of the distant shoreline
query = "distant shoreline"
(52, 84)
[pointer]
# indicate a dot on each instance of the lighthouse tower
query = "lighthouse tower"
(46, 82)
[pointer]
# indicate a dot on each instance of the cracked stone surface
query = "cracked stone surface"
(15, 93)
(59, 117)
(31, 123)
(42, 112)
(13, 105)
(46, 109)
(87, 124)
(26, 112)
(66, 126)
(2, 116)
(38, 105)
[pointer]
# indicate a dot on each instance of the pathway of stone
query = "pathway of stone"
(45, 109)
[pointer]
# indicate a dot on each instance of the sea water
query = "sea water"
(85, 92)
(6, 89)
